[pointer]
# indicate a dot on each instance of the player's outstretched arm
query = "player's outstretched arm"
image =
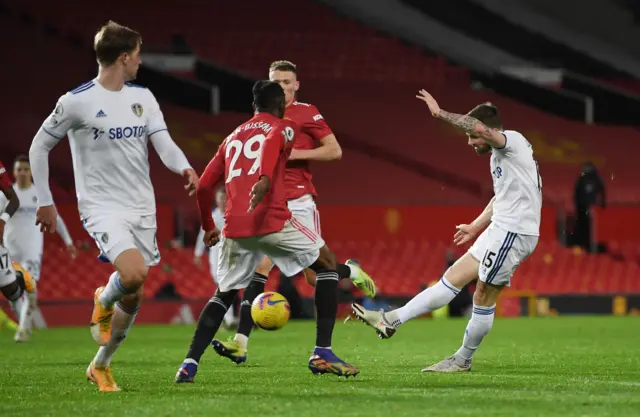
(329, 150)
(173, 158)
(470, 125)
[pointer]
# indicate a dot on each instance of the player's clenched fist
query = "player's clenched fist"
(192, 181)
(211, 237)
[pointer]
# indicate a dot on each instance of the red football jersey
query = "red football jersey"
(260, 146)
(5, 181)
(313, 128)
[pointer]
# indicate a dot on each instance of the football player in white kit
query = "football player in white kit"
(229, 319)
(24, 240)
(13, 283)
(109, 123)
(511, 223)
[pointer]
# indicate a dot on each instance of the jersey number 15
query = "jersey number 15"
(237, 148)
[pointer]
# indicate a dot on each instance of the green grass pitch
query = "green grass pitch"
(562, 366)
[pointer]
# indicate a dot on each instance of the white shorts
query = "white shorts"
(292, 249)
(115, 234)
(29, 257)
(304, 209)
(214, 253)
(500, 252)
(7, 273)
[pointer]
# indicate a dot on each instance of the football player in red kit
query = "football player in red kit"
(316, 142)
(251, 162)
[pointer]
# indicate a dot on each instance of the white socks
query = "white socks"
(25, 313)
(113, 292)
(241, 339)
(121, 323)
(479, 325)
(428, 300)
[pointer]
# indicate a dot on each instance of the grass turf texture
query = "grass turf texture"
(566, 366)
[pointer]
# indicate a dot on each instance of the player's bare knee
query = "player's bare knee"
(326, 260)
(133, 300)
(310, 277)
(133, 278)
(486, 295)
(132, 269)
(463, 271)
(265, 266)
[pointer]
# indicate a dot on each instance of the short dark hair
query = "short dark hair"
(488, 114)
(21, 158)
(283, 65)
(113, 39)
(267, 96)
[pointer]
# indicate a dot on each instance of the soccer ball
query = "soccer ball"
(270, 311)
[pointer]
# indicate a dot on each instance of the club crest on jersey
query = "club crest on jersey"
(288, 134)
(137, 109)
(105, 238)
(58, 110)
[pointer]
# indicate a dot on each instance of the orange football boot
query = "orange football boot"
(102, 377)
(100, 320)
(29, 281)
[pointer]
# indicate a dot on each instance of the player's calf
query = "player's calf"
(481, 322)
(13, 293)
(236, 350)
(323, 360)
(208, 324)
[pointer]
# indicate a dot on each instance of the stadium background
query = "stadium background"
(405, 179)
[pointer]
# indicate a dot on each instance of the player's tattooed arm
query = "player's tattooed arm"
(474, 127)
(470, 125)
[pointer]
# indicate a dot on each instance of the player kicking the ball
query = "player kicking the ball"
(251, 162)
(513, 220)
(315, 143)
(109, 123)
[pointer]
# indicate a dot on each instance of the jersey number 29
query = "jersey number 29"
(237, 148)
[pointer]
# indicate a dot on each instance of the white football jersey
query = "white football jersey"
(218, 218)
(108, 132)
(21, 235)
(517, 186)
